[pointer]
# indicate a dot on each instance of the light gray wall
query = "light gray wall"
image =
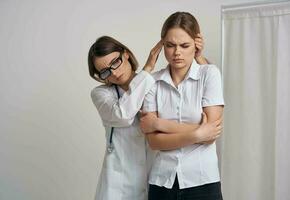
(51, 136)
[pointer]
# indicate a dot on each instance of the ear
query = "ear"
(126, 54)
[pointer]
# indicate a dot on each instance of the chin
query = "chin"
(122, 81)
(178, 65)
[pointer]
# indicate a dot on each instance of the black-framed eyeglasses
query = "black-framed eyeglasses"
(106, 72)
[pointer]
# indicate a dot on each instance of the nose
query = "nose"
(115, 72)
(177, 51)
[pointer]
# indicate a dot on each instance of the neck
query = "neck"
(125, 86)
(178, 75)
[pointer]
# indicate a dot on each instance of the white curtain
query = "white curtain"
(255, 146)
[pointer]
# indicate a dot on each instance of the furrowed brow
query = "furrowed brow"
(171, 43)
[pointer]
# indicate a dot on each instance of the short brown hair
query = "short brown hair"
(183, 20)
(104, 46)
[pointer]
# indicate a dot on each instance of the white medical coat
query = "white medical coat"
(125, 170)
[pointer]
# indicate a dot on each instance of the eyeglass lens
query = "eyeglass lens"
(105, 73)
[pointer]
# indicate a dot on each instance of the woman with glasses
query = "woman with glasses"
(183, 91)
(118, 101)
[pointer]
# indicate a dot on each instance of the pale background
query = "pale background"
(51, 136)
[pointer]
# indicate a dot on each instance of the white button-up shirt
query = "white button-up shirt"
(125, 170)
(196, 164)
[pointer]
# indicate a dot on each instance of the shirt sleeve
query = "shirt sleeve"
(121, 112)
(212, 93)
(150, 101)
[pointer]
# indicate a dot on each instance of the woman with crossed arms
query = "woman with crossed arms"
(182, 92)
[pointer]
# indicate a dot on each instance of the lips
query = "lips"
(177, 60)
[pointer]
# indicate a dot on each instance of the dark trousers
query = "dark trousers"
(210, 191)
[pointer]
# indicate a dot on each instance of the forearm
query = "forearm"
(170, 126)
(163, 141)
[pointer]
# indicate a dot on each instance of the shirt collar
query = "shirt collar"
(193, 72)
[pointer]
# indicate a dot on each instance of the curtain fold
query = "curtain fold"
(256, 70)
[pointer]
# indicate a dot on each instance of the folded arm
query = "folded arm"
(149, 122)
(181, 135)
